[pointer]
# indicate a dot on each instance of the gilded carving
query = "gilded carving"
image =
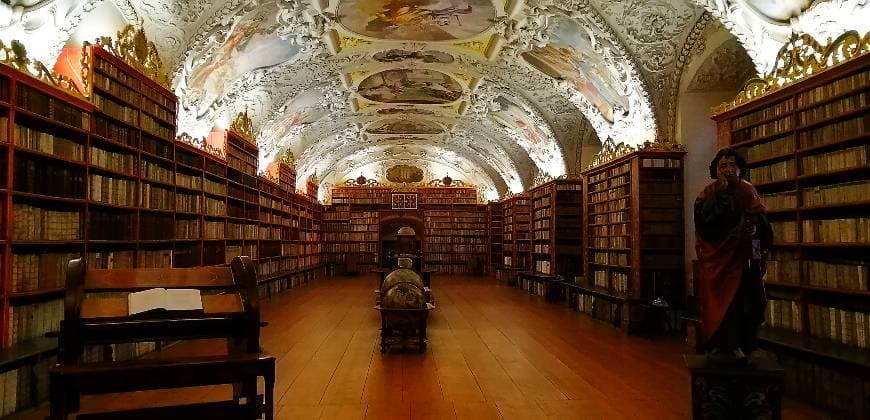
(801, 57)
(133, 47)
(15, 56)
(243, 126)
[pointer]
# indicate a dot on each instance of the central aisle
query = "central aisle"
(494, 352)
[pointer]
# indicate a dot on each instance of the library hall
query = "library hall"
(435, 209)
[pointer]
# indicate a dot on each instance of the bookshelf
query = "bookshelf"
(516, 237)
(447, 196)
(107, 178)
(808, 150)
(557, 226)
(633, 236)
(496, 235)
(455, 239)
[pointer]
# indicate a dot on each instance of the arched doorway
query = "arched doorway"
(388, 241)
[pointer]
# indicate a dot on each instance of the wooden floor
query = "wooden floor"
(495, 353)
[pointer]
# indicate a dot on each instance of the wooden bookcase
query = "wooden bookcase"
(517, 248)
(557, 226)
(633, 236)
(455, 239)
(808, 149)
(496, 235)
(109, 180)
(447, 196)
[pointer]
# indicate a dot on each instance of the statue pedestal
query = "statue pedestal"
(731, 391)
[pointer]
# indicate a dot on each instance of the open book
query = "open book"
(164, 299)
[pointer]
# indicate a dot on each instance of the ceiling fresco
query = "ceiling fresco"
(416, 20)
(410, 86)
(511, 89)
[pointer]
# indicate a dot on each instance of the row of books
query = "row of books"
(835, 88)
(763, 130)
(848, 327)
(118, 162)
(604, 184)
(241, 231)
(188, 203)
(188, 181)
(614, 281)
(610, 258)
(832, 133)
(543, 266)
(852, 157)
(448, 201)
(613, 205)
(116, 110)
(157, 198)
(782, 267)
(39, 271)
(780, 200)
(108, 129)
(783, 314)
(343, 248)
(155, 172)
(835, 390)
(544, 201)
(116, 88)
(775, 172)
(785, 231)
(847, 192)
(362, 228)
(661, 163)
(850, 230)
(212, 187)
(114, 72)
(116, 191)
(215, 207)
(161, 113)
(435, 224)
(160, 148)
(188, 229)
(451, 258)
(832, 109)
(455, 239)
(51, 108)
(27, 322)
(38, 224)
(48, 178)
(616, 193)
(15, 386)
(350, 237)
(778, 110)
(614, 171)
(609, 230)
(48, 143)
(453, 248)
(777, 147)
(843, 275)
(609, 242)
(536, 288)
(157, 128)
(457, 216)
(541, 235)
(541, 248)
(160, 258)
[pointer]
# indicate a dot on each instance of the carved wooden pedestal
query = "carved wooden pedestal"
(732, 392)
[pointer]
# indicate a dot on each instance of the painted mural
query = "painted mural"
(404, 127)
(404, 174)
(305, 108)
(512, 115)
(411, 86)
(396, 55)
(249, 46)
(570, 56)
(417, 20)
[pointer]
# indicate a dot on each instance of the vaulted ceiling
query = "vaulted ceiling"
(496, 94)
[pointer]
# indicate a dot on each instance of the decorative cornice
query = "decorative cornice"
(243, 126)
(15, 56)
(134, 48)
(799, 58)
(609, 151)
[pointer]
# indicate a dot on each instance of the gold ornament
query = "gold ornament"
(15, 56)
(133, 47)
(243, 126)
(800, 57)
(609, 151)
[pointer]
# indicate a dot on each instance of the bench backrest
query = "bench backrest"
(95, 306)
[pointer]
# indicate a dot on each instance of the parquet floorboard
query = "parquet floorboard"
(494, 353)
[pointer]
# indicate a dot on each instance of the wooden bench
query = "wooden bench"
(95, 314)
